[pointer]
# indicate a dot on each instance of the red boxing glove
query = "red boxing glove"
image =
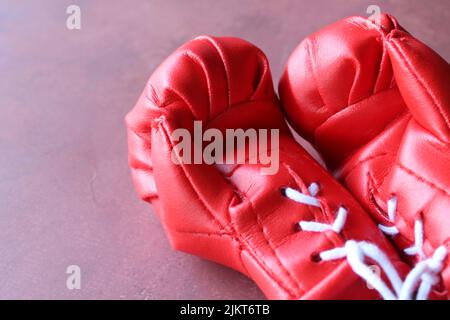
(232, 213)
(376, 103)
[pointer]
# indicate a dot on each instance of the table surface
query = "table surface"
(66, 196)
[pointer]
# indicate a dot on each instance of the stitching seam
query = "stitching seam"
(422, 83)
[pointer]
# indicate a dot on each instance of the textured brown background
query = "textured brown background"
(65, 192)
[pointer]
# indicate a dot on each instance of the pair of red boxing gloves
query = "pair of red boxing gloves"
(372, 99)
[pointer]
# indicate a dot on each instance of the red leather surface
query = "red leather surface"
(236, 216)
(378, 107)
(66, 196)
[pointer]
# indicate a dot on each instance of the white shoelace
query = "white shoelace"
(392, 211)
(426, 270)
(422, 277)
(417, 248)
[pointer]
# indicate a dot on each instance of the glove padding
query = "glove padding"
(375, 101)
(232, 214)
